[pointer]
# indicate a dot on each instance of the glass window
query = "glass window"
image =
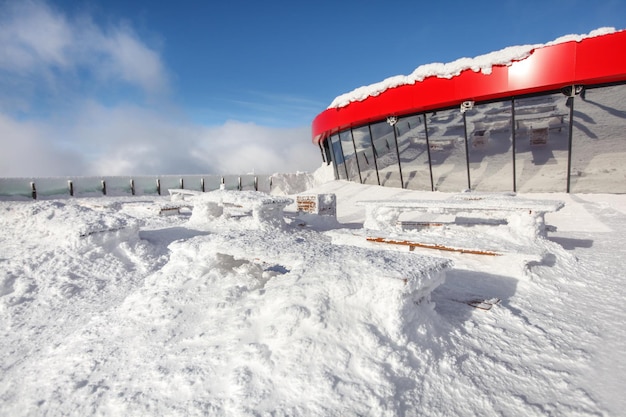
(386, 154)
(446, 138)
(340, 166)
(349, 156)
(599, 141)
(365, 155)
(541, 143)
(414, 153)
(490, 146)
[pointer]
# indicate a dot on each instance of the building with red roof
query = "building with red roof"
(534, 118)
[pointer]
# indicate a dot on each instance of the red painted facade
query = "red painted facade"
(596, 60)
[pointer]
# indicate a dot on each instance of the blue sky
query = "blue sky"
(143, 87)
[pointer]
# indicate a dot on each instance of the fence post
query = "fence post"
(70, 186)
(132, 186)
(33, 190)
(104, 187)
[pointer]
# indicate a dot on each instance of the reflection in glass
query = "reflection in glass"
(541, 143)
(599, 141)
(526, 151)
(490, 146)
(340, 166)
(413, 148)
(349, 156)
(365, 155)
(446, 137)
(386, 154)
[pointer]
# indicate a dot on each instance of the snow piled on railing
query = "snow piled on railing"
(482, 63)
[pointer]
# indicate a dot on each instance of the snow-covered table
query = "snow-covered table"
(526, 217)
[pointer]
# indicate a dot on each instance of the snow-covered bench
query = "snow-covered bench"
(524, 217)
(266, 209)
(182, 194)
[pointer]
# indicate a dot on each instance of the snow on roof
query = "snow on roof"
(483, 63)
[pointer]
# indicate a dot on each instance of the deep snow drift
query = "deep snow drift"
(109, 308)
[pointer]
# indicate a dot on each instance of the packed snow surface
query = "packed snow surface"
(482, 63)
(109, 307)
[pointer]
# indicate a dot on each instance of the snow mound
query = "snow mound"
(76, 222)
(289, 184)
(304, 321)
(247, 323)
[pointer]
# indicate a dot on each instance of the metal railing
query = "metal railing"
(60, 187)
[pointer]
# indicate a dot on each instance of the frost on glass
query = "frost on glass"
(168, 182)
(231, 182)
(349, 155)
(52, 187)
(118, 186)
(386, 154)
(414, 158)
(365, 155)
(340, 165)
(15, 188)
(599, 141)
(490, 146)
(248, 182)
(541, 143)
(446, 138)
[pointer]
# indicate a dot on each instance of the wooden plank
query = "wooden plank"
(412, 245)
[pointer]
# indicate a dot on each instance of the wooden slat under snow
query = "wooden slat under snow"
(412, 245)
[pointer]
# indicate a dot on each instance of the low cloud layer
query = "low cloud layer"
(79, 98)
(127, 140)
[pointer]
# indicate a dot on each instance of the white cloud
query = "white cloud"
(130, 140)
(36, 38)
(237, 147)
(31, 35)
(43, 53)
(29, 150)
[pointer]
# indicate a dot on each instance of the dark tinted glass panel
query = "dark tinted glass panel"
(349, 155)
(386, 154)
(413, 152)
(490, 146)
(541, 143)
(599, 141)
(446, 137)
(365, 155)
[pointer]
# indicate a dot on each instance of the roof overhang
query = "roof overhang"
(593, 60)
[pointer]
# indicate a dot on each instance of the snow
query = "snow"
(109, 308)
(482, 63)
